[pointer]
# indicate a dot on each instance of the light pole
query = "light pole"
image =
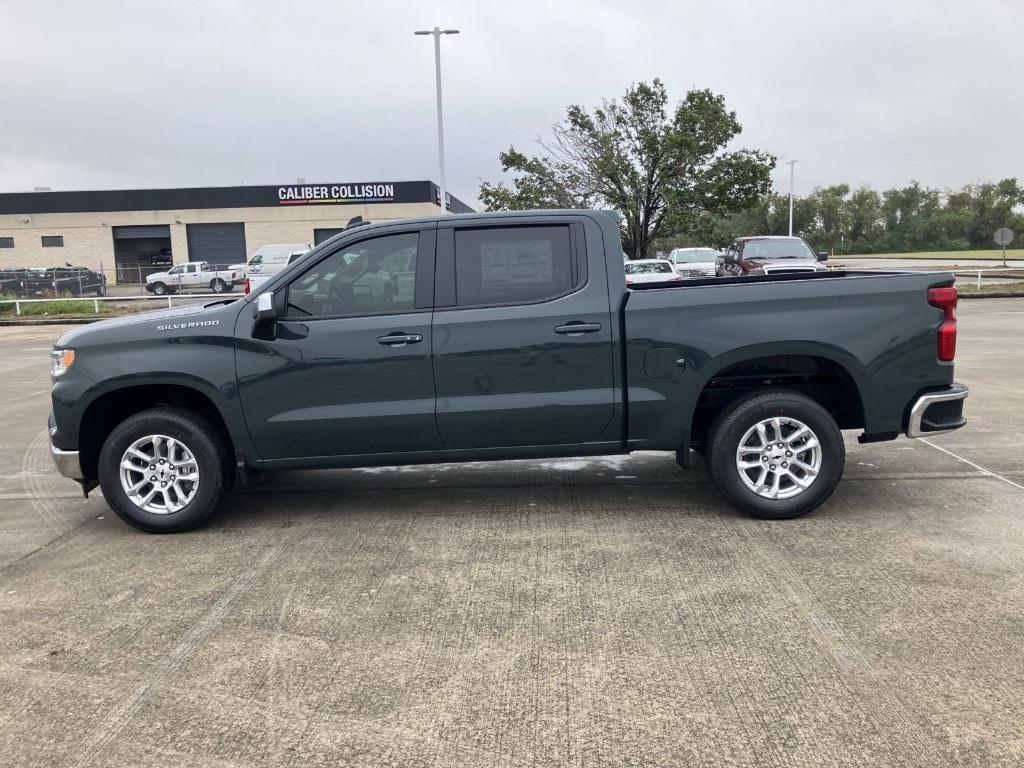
(437, 32)
(791, 164)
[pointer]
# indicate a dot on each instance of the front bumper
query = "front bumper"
(67, 463)
(935, 413)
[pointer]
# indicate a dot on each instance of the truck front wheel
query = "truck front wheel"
(775, 454)
(165, 470)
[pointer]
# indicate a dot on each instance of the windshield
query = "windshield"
(647, 267)
(777, 249)
(694, 255)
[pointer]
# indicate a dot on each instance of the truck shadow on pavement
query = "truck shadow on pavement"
(618, 483)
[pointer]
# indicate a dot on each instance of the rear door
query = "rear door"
(346, 370)
(522, 335)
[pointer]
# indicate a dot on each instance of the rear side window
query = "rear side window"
(512, 265)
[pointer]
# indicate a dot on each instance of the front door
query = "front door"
(190, 279)
(522, 337)
(346, 370)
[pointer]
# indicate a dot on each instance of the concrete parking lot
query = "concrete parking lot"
(581, 612)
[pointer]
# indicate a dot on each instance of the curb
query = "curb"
(52, 321)
(999, 295)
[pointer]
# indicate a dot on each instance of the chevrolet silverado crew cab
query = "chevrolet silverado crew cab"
(498, 336)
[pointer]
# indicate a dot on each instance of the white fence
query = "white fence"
(95, 302)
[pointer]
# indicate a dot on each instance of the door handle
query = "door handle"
(399, 339)
(577, 329)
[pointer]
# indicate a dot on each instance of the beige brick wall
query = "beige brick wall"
(89, 242)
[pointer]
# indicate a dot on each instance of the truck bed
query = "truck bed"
(875, 327)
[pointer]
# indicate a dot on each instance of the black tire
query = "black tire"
(206, 445)
(159, 289)
(218, 286)
(732, 424)
(101, 290)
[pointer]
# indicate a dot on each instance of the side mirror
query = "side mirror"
(730, 257)
(822, 255)
(265, 309)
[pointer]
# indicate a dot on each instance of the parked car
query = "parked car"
(268, 259)
(505, 335)
(77, 281)
(10, 282)
(254, 280)
(766, 255)
(649, 271)
(194, 276)
(694, 262)
(52, 281)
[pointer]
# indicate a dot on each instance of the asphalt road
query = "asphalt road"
(584, 612)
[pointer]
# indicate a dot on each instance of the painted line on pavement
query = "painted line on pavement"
(978, 467)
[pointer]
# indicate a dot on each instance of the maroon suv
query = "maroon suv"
(767, 254)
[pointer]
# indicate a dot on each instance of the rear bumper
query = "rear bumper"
(937, 412)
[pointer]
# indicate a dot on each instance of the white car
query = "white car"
(254, 280)
(650, 271)
(269, 259)
(194, 276)
(694, 262)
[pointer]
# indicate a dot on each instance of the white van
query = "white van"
(269, 259)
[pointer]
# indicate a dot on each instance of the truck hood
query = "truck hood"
(157, 321)
(157, 276)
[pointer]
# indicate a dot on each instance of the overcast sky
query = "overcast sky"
(98, 94)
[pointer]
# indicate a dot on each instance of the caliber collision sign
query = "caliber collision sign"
(320, 194)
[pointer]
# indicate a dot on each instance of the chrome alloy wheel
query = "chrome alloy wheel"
(779, 458)
(159, 474)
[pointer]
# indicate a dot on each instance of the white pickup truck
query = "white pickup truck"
(194, 276)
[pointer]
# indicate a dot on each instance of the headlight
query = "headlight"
(60, 361)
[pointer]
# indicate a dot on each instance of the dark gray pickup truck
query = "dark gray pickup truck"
(497, 336)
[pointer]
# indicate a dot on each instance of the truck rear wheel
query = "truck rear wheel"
(218, 286)
(775, 454)
(165, 470)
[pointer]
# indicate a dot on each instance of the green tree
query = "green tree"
(865, 221)
(666, 172)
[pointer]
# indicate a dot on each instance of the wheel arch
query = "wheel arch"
(117, 402)
(828, 375)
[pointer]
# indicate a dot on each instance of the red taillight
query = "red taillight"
(246, 286)
(945, 299)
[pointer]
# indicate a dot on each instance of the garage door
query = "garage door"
(152, 232)
(220, 244)
(320, 235)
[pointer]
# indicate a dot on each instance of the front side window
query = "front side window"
(512, 265)
(369, 277)
(174, 271)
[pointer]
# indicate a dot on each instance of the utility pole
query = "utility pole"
(791, 164)
(437, 32)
